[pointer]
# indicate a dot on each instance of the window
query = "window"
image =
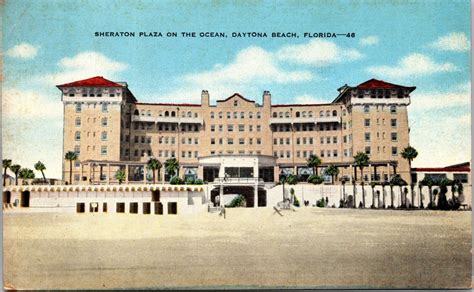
(297, 114)
(275, 115)
(297, 141)
(366, 108)
(259, 115)
(236, 103)
(287, 114)
(241, 128)
(310, 114)
(250, 115)
(393, 109)
(77, 150)
(288, 141)
(230, 141)
(259, 141)
(220, 115)
(334, 140)
(242, 115)
(460, 177)
(328, 140)
(394, 137)
(229, 115)
(213, 128)
(235, 115)
(367, 137)
(77, 136)
(334, 113)
(275, 141)
(322, 140)
(303, 114)
(394, 151)
(78, 107)
(321, 114)
(393, 122)
(230, 128)
(250, 141)
(220, 141)
(334, 153)
(78, 122)
(104, 122)
(105, 108)
(367, 122)
(259, 128)
(322, 153)
(367, 150)
(221, 127)
(104, 136)
(212, 115)
(241, 141)
(250, 128)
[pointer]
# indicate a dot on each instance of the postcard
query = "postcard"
(236, 144)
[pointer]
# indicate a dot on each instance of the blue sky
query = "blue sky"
(420, 43)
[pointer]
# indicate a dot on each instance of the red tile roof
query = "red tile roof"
(235, 94)
(442, 169)
(97, 81)
(168, 104)
(380, 84)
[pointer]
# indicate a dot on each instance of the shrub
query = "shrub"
(190, 181)
(296, 203)
(321, 203)
(176, 180)
(198, 182)
(238, 201)
(315, 179)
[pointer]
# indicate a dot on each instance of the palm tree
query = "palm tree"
(363, 193)
(384, 184)
(412, 187)
(172, 166)
(314, 161)
(333, 171)
(26, 173)
(409, 153)
(6, 164)
(420, 186)
(120, 175)
(15, 168)
(361, 160)
(154, 164)
(354, 191)
(343, 182)
(39, 166)
(71, 156)
(391, 193)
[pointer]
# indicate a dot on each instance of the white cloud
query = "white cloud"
(84, 65)
(23, 51)
(317, 53)
(252, 64)
(369, 41)
(457, 96)
(308, 98)
(413, 65)
(20, 104)
(455, 42)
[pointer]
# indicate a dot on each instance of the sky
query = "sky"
(426, 44)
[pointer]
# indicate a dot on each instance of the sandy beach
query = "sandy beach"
(313, 247)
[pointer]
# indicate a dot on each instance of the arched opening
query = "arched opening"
(25, 199)
(297, 114)
(173, 114)
(275, 115)
(167, 113)
(334, 113)
(7, 197)
(136, 113)
(155, 196)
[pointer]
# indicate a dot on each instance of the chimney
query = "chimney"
(205, 98)
(267, 98)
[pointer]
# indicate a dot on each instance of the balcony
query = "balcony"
(169, 120)
(305, 120)
(281, 121)
(191, 121)
(237, 180)
(137, 118)
(335, 119)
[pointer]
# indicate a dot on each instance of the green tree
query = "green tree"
(154, 164)
(15, 168)
(428, 181)
(26, 173)
(314, 161)
(332, 171)
(39, 166)
(292, 179)
(361, 160)
(120, 175)
(71, 156)
(172, 166)
(6, 165)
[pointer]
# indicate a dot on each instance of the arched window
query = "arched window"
(321, 113)
(236, 103)
(183, 114)
(275, 115)
(334, 113)
(259, 115)
(195, 115)
(173, 114)
(303, 114)
(287, 114)
(250, 115)
(167, 114)
(78, 107)
(136, 112)
(104, 122)
(297, 114)
(78, 122)
(242, 115)
(393, 109)
(104, 136)
(310, 114)
(366, 108)
(160, 113)
(212, 115)
(328, 113)
(280, 114)
(148, 113)
(77, 136)
(220, 115)
(190, 114)
(343, 112)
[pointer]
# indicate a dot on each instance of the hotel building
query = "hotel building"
(234, 137)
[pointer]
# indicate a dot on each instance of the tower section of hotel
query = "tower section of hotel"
(96, 118)
(375, 121)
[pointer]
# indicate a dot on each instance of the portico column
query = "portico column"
(370, 173)
(221, 195)
(81, 173)
(144, 173)
(108, 173)
(388, 171)
(126, 173)
(255, 197)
